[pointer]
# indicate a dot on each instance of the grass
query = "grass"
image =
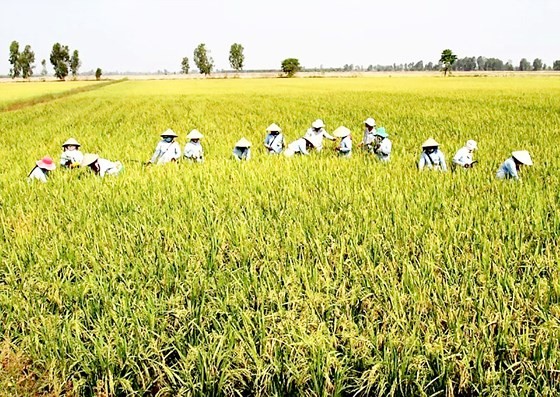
(303, 276)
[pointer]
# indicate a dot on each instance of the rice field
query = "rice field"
(313, 276)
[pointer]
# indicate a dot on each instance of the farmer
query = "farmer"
(101, 166)
(301, 146)
(511, 167)
(369, 135)
(167, 149)
(41, 170)
(274, 141)
(464, 156)
(432, 158)
(71, 155)
(382, 145)
(242, 150)
(344, 148)
(316, 133)
(193, 148)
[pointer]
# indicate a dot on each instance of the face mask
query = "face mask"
(168, 139)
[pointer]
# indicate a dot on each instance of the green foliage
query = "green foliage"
(26, 61)
(524, 65)
(537, 64)
(15, 70)
(290, 66)
(556, 65)
(202, 61)
(447, 60)
(236, 57)
(75, 63)
(44, 68)
(98, 73)
(185, 65)
(60, 57)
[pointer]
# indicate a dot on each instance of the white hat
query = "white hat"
(71, 142)
(471, 145)
(341, 132)
(318, 124)
(169, 132)
(46, 163)
(370, 122)
(89, 158)
(243, 143)
(195, 134)
(523, 157)
(273, 127)
(431, 142)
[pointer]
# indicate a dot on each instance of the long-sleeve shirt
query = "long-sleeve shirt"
(507, 170)
(369, 138)
(242, 153)
(345, 147)
(193, 151)
(297, 147)
(383, 152)
(463, 157)
(316, 138)
(37, 174)
(435, 160)
(274, 143)
(165, 152)
(72, 156)
(109, 167)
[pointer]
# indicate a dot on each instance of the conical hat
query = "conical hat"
(318, 124)
(71, 142)
(370, 122)
(273, 127)
(169, 132)
(381, 132)
(89, 158)
(46, 163)
(243, 143)
(523, 157)
(195, 134)
(341, 132)
(431, 142)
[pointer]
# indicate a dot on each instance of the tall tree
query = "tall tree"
(15, 70)
(60, 57)
(44, 65)
(481, 63)
(185, 65)
(447, 60)
(26, 61)
(524, 65)
(537, 64)
(203, 62)
(98, 73)
(556, 65)
(75, 63)
(291, 66)
(236, 57)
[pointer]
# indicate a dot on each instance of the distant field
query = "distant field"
(304, 276)
(15, 92)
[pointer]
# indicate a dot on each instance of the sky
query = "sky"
(149, 35)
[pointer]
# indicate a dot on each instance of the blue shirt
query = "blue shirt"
(274, 143)
(507, 170)
(435, 160)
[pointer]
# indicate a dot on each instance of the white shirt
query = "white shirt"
(297, 147)
(345, 147)
(435, 160)
(241, 153)
(383, 152)
(193, 150)
(507, 170)
(166, 151)
(109, 167)
(72, 156)
(38, 174)
(274, 143)
(316, 138)
(463, 157)
(369, 137)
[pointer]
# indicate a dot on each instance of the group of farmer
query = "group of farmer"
(375, 141)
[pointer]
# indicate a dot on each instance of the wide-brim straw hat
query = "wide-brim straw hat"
(381, 132)
(318, 124)
(369, 121)
(243, 143)
(195, 134)
(471, 145)
(169, 132)
(431, 142)
(89, 158)
(523, 157)
(273, 128)
(71, 142)
(46, 163)
(341, 132)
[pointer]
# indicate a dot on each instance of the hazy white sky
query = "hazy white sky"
(149, 35)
